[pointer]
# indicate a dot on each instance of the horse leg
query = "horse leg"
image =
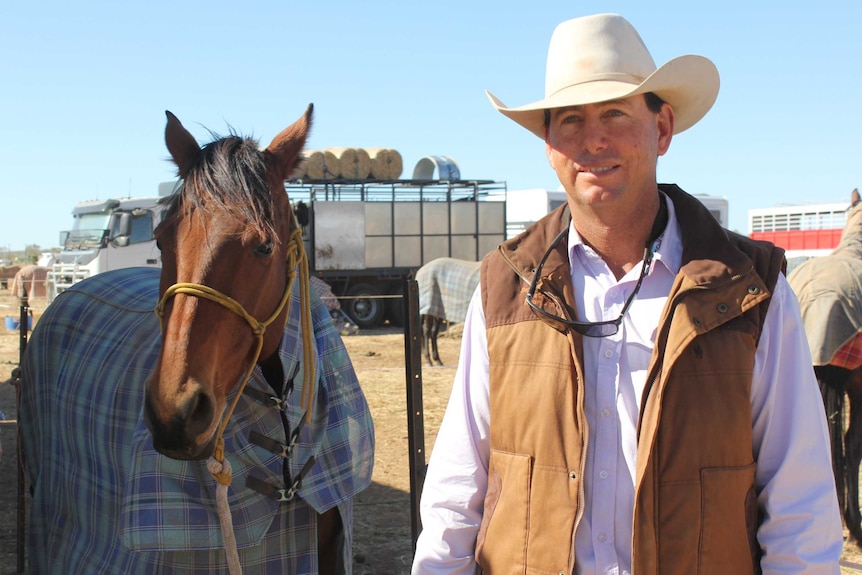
(435, 331)
(330, 543)
(853, 455)
(426, 321)
(832, 384)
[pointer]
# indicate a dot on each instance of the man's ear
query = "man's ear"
(664, 123)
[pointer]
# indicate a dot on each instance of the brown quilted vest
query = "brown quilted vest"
(695, 506)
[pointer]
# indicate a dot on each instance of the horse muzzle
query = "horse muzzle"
(189, 433)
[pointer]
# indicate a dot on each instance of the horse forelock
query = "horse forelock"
(229, 176)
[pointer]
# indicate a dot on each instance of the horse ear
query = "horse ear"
(285, 148)
(854, 197)
(181, 144)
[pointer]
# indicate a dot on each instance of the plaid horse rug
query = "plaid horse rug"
(446, 286)
(829, 289)
(104, 501)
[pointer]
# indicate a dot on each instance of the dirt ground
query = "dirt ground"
(382, 529)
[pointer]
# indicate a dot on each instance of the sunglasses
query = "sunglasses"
(610, 327)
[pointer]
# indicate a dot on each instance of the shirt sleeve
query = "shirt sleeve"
(453, 494)
(801, 530)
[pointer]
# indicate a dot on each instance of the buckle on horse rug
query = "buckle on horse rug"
(279, 494)
(273, 446)
(264, 397)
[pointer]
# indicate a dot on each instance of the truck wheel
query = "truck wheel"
(365, 310)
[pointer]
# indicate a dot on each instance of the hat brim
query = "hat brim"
(688, 83)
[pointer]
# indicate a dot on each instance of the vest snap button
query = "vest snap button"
(696, 322)
(722, 308)
(573, 475)
(753, 290)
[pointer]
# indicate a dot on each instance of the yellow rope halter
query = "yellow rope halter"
(295, 255)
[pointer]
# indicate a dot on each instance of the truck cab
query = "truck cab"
(106, 235)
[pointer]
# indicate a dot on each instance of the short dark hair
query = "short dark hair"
(653, 104)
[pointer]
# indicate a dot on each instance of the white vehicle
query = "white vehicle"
(526, 207)
(717, 206)
(107, 235)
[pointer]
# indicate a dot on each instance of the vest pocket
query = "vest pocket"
(501, 545)
(729, 521)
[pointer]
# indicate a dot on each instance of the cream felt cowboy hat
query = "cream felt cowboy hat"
(602, 57)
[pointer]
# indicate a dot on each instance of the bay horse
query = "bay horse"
(225, 431)
(446, 286)
(829, 290)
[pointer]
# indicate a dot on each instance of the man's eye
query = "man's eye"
(613, 113)
(571, 120)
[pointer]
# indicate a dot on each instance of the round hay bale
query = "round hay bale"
(321, 165)
(300, 170)
(386, 163)
(353, 162)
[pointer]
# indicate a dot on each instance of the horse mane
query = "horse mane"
(229, 175)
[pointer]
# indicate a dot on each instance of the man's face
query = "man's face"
(606, 153)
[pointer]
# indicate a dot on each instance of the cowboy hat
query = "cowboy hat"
(602, 57)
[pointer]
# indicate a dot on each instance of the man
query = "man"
(634, 392)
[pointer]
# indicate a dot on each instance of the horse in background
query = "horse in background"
(30, 282)
(829, 290)
(227, 429)
(446, 286)
(342, 321)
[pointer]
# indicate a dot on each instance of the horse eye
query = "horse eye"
(264, 249)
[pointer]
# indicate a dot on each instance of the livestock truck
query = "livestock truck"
(365, 237)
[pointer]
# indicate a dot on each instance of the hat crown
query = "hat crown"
(593, 48)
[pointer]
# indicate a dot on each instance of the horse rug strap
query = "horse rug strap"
(278, 493)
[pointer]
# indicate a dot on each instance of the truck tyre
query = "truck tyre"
(365, 310)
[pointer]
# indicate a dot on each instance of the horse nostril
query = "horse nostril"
(198, 413)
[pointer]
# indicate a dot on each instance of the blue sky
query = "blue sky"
(85, 85)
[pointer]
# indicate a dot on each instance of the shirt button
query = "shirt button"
(603, 474)
(606, 412)
(603, 537)
(609, 353)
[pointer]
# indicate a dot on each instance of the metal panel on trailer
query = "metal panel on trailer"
(378, 218)
(464, 219)
(407, 218)
(378, 252)
(464, 248)
(490, 216)
(339, 235)
(435, 218)
(408, 251)
(435, 247)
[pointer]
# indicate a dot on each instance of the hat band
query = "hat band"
(609, 77)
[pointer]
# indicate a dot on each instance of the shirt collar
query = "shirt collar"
(669, 253)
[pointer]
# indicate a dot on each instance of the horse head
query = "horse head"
(851, 237)
(229, 252)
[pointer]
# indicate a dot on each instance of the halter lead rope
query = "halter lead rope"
(218, 466)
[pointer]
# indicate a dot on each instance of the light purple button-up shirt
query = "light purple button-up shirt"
(802, 530)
